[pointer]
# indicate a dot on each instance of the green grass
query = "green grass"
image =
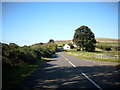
(61, 43)
(13, 75)
(98, 51)
(90, 55)
(109, 43)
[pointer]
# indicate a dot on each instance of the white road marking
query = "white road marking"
(84, 74)
(72, 64)
(92, 81)
(65, 58)
(68, 61)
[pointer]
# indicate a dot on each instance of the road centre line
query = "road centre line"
(72, 64)
(84, 74)
(92, 81)
(65, 58)
(68, 61)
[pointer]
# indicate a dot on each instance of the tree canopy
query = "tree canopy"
(51, 40)
(84, 38)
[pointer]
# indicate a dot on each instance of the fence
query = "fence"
(106, 56)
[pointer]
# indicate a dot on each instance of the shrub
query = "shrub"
(116, 48)
(10, 55)
(28, 54)
(14, 55)
(104, 47)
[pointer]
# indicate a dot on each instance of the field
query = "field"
(61, 42)
(109, 43)
(105, 41)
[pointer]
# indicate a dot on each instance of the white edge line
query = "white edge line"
(92, 81)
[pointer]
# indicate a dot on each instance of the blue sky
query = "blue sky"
(26, 23)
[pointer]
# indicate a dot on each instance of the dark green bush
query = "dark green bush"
(10, 55)
(104, 47)
(14, 55)
(116, 48)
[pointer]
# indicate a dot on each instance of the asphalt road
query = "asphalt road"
(64, 71)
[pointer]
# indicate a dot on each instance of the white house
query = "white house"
(74, 45)
(66, 46)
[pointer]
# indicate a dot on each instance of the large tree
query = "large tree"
(84, 38)
(51, 40)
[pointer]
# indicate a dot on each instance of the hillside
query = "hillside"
(100, 40)
(106, 40)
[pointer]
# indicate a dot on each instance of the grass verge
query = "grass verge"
(14, 75)
(89, 55)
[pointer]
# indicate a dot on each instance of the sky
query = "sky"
(26, 23)
(60, 0)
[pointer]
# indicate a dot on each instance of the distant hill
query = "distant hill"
(101, 40)
(107, 40)
(63, 41)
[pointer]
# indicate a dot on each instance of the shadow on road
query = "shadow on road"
(59, 50)
(52, 76)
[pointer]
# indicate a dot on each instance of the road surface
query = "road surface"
(65, 71)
